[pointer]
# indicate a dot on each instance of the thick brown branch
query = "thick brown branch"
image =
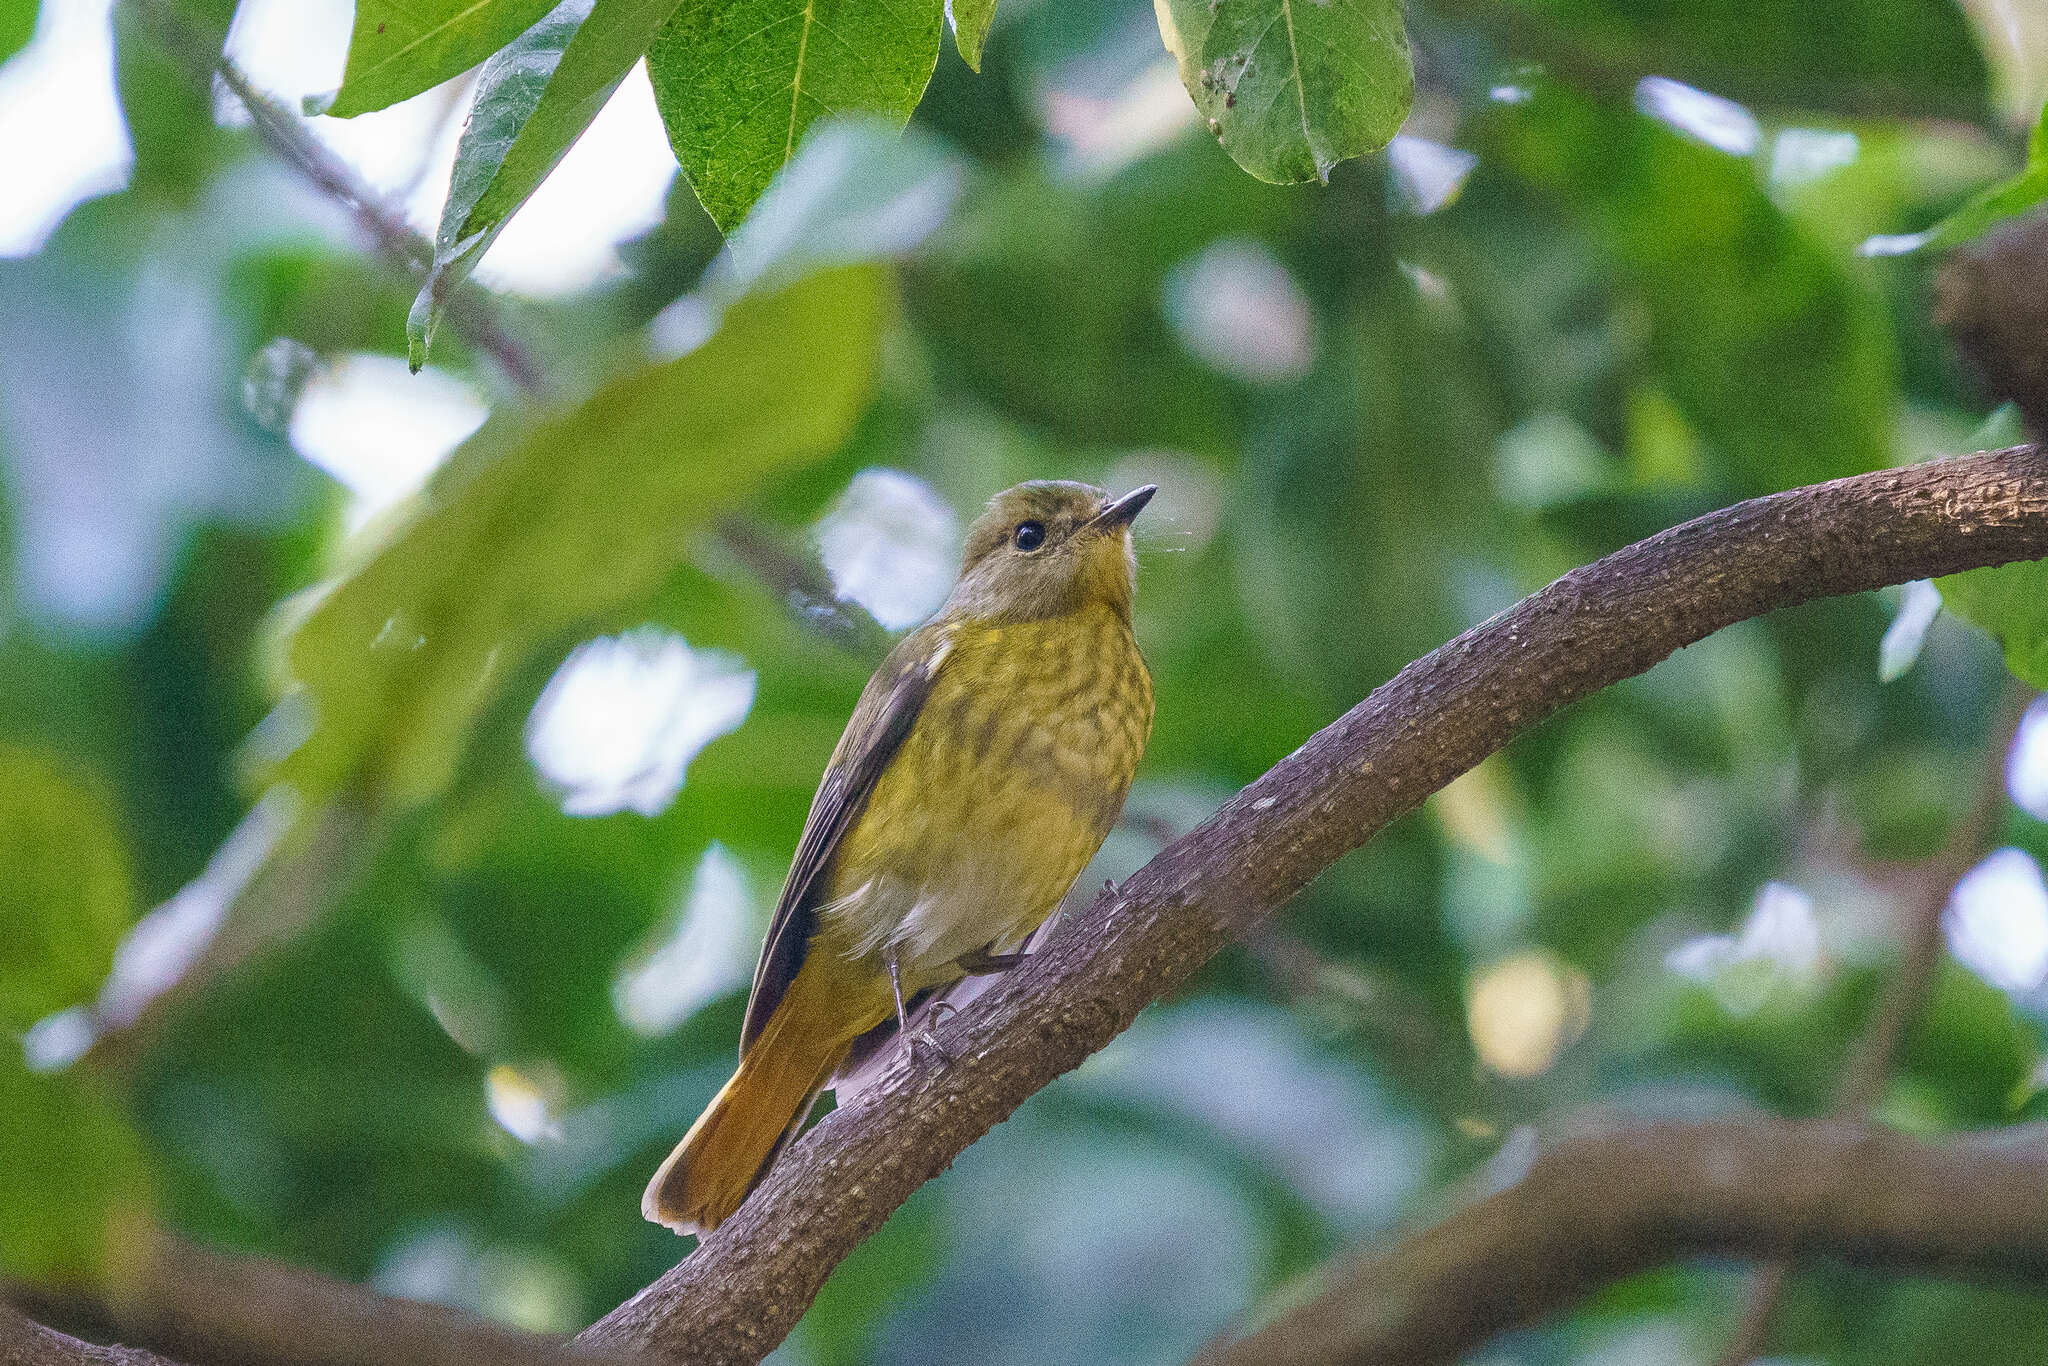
(743, 1289)
(24, 1342)
(1603, 1206)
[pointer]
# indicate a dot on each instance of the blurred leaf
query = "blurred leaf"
(2011, 603)
(1919, 602)
(1986, 210)
(528, 533)
(17, 26)
(167, 105)
(532, 101)
(402, 47)
(738, 83)
(72, 1177)
(1292, 88)
(65, 895)
(1902, 58)
(971, 19)
(1734, 291)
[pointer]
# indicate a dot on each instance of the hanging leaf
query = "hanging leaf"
(402, 47)
(1292, 87)
(533, 100)
(738, 82)
(2009, 198)
(971, 19)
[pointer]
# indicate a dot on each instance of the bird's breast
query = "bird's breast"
(1005, 787)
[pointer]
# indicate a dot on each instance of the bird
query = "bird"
(982, 768)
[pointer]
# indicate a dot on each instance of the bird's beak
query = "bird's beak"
(1121, 512)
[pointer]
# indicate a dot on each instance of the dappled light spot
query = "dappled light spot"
(1919, 604)
(1105, 110)
(618, 724)
(1236, 308)
(1427, 175)
(706, 951)
(1801, 155)
(1248, 1074)
(1718, 122)
(2026, 770)
(520, 1105)
(57, 1040)
(1524, 1010)
(511, 1285)
(890, 544)
(1778, 948)
(1997, 921)
(62, 137)
(380, 430)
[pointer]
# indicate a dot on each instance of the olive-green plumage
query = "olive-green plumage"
(985, 763)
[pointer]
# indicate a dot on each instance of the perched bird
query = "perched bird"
(987, 759)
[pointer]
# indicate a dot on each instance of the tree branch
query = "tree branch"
(24, 1342)
(746, 1285)
(1606, 1205)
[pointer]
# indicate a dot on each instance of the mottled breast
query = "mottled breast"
(1012, 775)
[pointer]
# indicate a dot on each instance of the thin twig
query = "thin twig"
(469, 309)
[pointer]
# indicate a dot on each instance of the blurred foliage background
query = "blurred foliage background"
(397, 771)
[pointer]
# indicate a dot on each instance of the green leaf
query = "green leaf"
(1292, 87)
(17, 26)
(738, 82)
(1899, 59)
(528, 534)
(72, 1177)
(971, 19)
(532, 101)
(402, 47)
(65, 894)
(1735, 293)
(2009, 198)
(2011, 603)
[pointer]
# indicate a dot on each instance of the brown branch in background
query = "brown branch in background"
(205, 1306)
(746, 1285)
(1603, 1206)
(1864, 1077)
(1991, 296)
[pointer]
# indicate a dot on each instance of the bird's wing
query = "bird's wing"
(887, 710)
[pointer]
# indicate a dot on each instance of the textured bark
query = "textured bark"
(1604, 1206)
(744, 1287)
(24, 1342)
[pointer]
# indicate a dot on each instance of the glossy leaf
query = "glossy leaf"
(2011, 603)
(738, 83)
(1292, 87)
(65, 896)
(532, 101)
(530, 533)
(402, 47)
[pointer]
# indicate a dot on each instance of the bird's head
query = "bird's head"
(1047, 548)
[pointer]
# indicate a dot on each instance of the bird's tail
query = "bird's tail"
(734, 1142)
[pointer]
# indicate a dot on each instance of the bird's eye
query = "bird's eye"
(1030, 535)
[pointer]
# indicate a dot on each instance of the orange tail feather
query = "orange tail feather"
(739, 1136)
